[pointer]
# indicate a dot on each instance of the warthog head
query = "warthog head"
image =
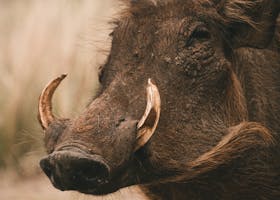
(169, 95)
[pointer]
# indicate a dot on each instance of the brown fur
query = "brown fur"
(235, 102)
(241, 141)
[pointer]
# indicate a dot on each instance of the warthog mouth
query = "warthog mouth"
(72, 169)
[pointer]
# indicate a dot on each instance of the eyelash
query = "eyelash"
(101, 74)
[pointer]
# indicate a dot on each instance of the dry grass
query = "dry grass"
(40, 40)
(40, 188)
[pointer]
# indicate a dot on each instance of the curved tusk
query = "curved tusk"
(149, 121)
(45, 115)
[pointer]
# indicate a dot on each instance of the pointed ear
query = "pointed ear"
(251, 22)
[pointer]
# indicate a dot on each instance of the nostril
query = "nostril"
(93, 171)
(46, 167)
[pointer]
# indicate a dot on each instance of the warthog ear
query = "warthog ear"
(251, 22)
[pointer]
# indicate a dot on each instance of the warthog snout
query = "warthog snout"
(69, 170)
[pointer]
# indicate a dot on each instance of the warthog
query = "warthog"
(189, 106)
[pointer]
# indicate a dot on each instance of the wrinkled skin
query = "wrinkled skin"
(215, 77)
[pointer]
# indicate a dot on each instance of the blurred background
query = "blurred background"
(40, 40)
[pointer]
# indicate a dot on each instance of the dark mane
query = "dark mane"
(240, 11)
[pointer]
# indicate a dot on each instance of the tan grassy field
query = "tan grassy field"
(39, 188)
(39, 40)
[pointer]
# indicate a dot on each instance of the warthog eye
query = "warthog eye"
(200, 33)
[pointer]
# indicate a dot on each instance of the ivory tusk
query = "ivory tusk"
(149, 121)
(45, 115)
